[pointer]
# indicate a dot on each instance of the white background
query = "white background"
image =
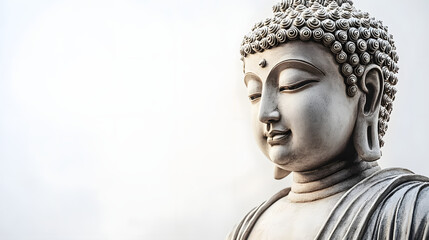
(129, 119)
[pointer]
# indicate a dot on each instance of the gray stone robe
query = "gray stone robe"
(390, 204)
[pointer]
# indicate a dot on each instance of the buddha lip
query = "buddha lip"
(277, 137)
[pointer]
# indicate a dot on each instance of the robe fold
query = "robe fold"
(390, 204)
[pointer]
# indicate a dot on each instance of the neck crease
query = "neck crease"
(329, 180)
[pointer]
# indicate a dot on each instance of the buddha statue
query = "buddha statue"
(320, 76)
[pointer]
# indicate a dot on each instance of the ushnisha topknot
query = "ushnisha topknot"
(353, 37)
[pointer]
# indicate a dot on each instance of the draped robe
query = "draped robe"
(389, 204)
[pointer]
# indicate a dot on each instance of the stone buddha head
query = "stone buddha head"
(320, 76)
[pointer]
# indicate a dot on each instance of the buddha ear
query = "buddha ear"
(280, 173)
(365, 135)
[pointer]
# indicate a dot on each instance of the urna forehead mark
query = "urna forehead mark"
(263, 63)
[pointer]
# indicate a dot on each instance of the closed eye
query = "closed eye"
(254, 97)
(296, 86)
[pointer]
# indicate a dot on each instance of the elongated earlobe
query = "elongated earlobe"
(365, 136)
(280, 173)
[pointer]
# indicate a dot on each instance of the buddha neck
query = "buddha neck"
(329, 180)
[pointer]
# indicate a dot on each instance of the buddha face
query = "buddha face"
(301, 114)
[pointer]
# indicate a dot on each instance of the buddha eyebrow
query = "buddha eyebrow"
(300, 64)
(250, 75)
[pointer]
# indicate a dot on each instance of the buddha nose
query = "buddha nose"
(269, 116)
(268, 111)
